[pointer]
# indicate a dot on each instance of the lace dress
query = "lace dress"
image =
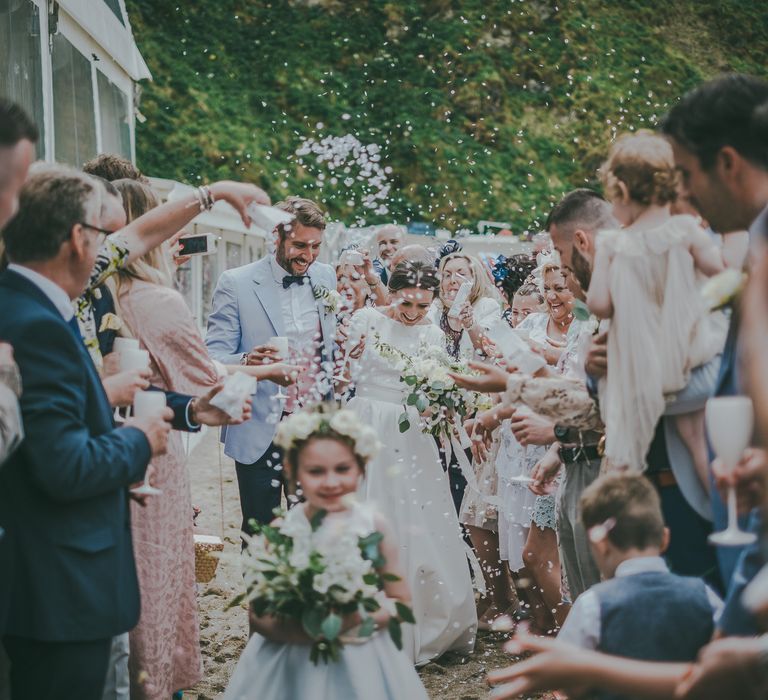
(407, 484)
(369, 667)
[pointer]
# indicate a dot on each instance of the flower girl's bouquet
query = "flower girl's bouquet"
(315, 577)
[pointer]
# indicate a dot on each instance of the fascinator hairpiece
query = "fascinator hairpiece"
(449, 247)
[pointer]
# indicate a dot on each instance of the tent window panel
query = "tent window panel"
(115, 118)
(73, 109)
(21, 78)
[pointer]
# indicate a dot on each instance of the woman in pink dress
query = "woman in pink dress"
(165, 646)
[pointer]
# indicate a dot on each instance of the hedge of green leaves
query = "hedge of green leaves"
(483, 109)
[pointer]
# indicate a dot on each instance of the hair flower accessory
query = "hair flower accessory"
(325, 421)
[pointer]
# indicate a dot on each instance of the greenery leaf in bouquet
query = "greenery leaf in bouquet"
(422, 404)
(367, 627)
(580, 310)
(410, 379)
(331, 626)
(317, 519)
(438, 386)
(412, 399)
(404, 612)
(403, 423)
(369, 546)
(396, 632)
(312, 621)
(370, 604)
(389, 576)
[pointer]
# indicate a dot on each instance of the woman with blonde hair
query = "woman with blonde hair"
(164, 646)
(466, 334)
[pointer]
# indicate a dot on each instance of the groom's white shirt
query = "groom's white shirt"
(300, 313)
(249, 307)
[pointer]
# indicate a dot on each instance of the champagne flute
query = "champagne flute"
(729, 422)
(281, 344)
(148, 403)
(120, 346)
(133, 359)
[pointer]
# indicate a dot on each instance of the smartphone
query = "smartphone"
(203, 244)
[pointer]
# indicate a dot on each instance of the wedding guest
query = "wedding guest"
(509, 275)
(18, 135)
(63, 493)
(573, 225)
(11, 431)
(497, 512)
(284, 294)
(731, 667)
(413, 253)
(718, 133)
(164, 646)
(389, 239)
(645, 279)
(622, 514)
(466, 332)
(112, 166)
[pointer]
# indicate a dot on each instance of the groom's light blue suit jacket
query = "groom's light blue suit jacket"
(246, 312)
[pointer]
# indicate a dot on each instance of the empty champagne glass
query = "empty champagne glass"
(730, 422)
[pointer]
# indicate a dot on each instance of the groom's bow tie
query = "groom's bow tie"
(288, 280)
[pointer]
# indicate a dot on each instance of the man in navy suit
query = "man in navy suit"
(66, 563)
(719, 133)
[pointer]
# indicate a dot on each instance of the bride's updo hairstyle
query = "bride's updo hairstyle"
(414, 274)
(325, 421)
(644, 162)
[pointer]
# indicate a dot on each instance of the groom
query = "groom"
(280, 295)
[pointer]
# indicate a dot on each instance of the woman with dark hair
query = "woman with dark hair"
(406, 480)
(509, 275)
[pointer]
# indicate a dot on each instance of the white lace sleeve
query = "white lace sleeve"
(565, 400)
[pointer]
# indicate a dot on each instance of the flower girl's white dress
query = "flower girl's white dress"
(371, 668)
(406, 482)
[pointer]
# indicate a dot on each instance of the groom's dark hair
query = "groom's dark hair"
(306, 212)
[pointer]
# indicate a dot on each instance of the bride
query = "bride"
(406, 480)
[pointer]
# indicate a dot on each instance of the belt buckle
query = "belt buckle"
(601, 446)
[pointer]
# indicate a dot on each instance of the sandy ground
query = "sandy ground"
(224, 631)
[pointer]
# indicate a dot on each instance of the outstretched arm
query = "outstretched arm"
(707, 257)
(159, 224)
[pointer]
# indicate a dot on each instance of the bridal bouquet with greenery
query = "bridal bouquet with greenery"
(296, 570)
(431, 391)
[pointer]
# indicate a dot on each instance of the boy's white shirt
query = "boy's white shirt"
(582, 626)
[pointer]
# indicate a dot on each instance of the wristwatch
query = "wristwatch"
(562, 432)
(244, 359)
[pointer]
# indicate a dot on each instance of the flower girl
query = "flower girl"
(326, 590)
(645, 281)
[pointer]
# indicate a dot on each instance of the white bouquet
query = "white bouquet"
(298, 571)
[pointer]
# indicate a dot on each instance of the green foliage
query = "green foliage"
(482, 108)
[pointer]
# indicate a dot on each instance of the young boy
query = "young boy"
(640, 610)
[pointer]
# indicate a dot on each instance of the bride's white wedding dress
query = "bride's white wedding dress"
(406, 482)
(370, 668)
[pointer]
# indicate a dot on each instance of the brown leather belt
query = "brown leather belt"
(662, 479)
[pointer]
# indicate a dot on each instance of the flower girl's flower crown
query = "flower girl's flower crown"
(326, 421)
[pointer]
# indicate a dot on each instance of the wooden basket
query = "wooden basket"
(207, 548)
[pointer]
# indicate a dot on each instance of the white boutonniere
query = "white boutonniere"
(719, 291)
(110, 322)
(330, 298)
